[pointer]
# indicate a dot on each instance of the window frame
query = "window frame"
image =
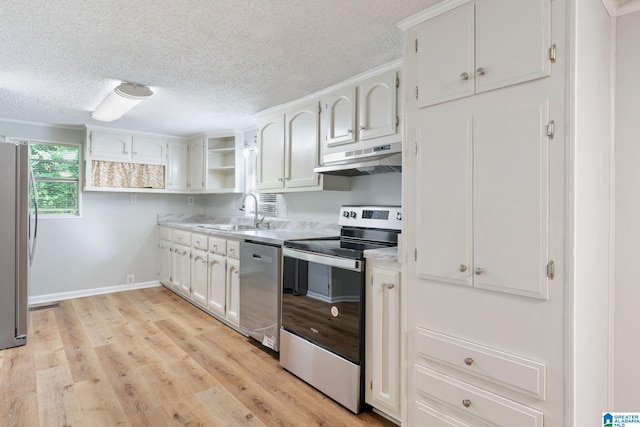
(250, 153)
(79, 145)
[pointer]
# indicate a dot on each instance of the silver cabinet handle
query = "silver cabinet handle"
(388, 285)
(466, 403)
(468, 361)
(462, 268)
(280, 179)
(479, 271)
(464, 76)
(481, 71)
(349, 131)
(362, 128)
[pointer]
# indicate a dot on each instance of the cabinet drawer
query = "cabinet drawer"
(165, 233)
(514, 372)
(427, 416)
(199, 241)
(474, 401)
(233, 249)
(217, 245)
(181, 237)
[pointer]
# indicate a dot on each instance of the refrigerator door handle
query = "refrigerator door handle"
(32, 247)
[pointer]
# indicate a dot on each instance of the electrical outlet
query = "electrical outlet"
(130, 279)
(133, 198)
(190, 200)
(283, 211)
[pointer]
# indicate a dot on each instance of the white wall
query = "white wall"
(627, 274)
(321, 206)
(111, 239)
(592, 209)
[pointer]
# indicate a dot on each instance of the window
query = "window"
(56, 168)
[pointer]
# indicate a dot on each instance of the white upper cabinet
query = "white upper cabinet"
(110, 146)
(377, 106)
(301, 146)
(224, 163)
(151, 150)
(340, 117)
(196, 164)
(483, 190)
(127, 148)
(271, 152)
(480, 46)
(358, 115)
(178, 163)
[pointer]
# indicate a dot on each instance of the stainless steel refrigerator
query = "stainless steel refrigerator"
(18, 229)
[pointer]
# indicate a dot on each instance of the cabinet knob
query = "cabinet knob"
(468, 361)
(464, 76)
(362, 128)
(462, 268)
(280, 179)
(389, 285)
(481, 71)
(466, 403)
(349, 131)
(479, 271)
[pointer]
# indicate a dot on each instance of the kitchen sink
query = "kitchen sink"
(226, 227)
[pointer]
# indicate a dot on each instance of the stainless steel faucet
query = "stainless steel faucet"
(256, 218)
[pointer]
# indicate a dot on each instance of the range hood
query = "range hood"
(368, 161)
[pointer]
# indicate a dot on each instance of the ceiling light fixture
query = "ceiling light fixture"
(122, 99)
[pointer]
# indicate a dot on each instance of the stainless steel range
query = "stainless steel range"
(322, 335)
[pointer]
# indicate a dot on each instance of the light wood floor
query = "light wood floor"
(149, 358)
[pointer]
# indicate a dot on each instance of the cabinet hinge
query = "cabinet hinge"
(416, 45)
(552, 53)
(415, 254)
(551, 270)
(319, 108)
(397, 82)
(551, 129)
(397, 120)
(416, 92)
(415, 148)
(371, 385)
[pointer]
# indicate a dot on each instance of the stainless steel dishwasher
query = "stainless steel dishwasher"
(260, 292)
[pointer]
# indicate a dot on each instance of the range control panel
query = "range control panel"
(384, 217)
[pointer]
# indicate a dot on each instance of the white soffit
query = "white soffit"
(212, 64)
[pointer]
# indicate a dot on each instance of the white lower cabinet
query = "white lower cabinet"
(204, 269)
(233, 282)
(199, 276)
(463, 383)
(383, 347)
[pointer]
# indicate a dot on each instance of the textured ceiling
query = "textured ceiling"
(211, 63)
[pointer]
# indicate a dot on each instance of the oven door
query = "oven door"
(323, 301)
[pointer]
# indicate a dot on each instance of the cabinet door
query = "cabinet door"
(340, 117)
(196, 164)
(443, 191)
(271, 153)
(110, 146)
(233, 291)
(199, 276)
(180, 269)
(511, 193)
(384, 320)
(302, 151)
(512, 42)
(377, 107)
(149, 150)
(217, 284)
(445, 56)
(164, 269)
(177, 159)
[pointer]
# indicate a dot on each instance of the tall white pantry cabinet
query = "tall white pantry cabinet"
(507, 190)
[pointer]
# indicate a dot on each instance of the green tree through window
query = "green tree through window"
(56, 170)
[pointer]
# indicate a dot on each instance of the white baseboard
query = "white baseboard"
(42, 299)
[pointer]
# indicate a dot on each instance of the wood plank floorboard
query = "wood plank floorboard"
(149, 358)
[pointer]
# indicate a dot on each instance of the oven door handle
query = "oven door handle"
(344, 263)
